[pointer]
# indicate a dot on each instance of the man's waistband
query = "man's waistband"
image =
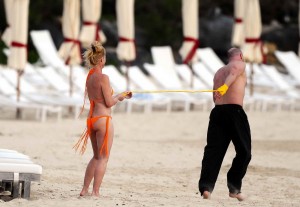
(229, 106)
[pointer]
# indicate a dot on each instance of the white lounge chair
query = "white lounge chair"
(20, 174)
(164, 72)
(204, 74)
(33, 94)
(48, 54)
(269, 89)
(280, 82)
(119, 84)
(8, 101)
(12, 156)
(210, 59)
(260, 79)
(46, 49)
(166, 81)
(288, 94)
(41, 111)
(55, 81)
(291, 62)
(144, 83)
(186, 74)
(7, 150)
(17, 171)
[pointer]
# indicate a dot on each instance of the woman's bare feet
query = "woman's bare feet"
(84, 192)
(238, 196)
(206, 195)
(95, 194)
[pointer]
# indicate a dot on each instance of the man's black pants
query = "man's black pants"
(227, 123)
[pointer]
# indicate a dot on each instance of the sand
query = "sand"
(156, 161)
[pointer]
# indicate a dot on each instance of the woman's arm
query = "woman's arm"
(106, 90)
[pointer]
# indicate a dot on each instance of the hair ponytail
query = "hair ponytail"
(93, 54)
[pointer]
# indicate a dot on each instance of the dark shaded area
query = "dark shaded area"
(158, 22)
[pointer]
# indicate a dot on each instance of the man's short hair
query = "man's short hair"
(233, 52)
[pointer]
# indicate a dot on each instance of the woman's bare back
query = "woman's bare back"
(95, 93)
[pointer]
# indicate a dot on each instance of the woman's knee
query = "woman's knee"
(103, 158)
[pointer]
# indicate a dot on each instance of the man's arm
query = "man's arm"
(235, 70)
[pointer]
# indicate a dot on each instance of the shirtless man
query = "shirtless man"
(228, 122)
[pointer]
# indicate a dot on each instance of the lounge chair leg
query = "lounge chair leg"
(37, 114)
(168, 107)
(26, 189)
(292, 107)
(264, 106)
(16, 185)
(187, 106)
(44, 114)
(148, 108)
(59, 114)
(77, 111)
(129, 107)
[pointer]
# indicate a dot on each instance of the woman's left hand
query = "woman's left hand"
(127, 94)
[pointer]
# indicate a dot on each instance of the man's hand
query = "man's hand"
(222, 89)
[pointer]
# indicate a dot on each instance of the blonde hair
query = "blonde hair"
(93, 54)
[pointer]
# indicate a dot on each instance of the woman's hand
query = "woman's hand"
(127, 94)
(121, 97)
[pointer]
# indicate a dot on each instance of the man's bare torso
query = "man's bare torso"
(236, 91)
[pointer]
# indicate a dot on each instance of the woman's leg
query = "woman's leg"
(103, 158)
(90, 169)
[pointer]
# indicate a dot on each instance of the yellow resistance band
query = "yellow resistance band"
(172, 91)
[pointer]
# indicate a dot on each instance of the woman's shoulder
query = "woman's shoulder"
(104, 77)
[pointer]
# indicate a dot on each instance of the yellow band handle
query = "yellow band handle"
(223, 89)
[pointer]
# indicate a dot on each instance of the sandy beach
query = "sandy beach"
(156, 161)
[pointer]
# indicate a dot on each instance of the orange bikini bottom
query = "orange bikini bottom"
(87, 133)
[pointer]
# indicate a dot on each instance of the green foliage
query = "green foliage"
(160, 21)
(3, 58)
(32, 56)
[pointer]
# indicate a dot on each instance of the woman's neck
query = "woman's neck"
(98, 68)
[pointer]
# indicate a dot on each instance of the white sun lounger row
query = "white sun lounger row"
(165, 74)
(17, 171)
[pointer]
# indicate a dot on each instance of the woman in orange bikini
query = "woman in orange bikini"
(99, 126)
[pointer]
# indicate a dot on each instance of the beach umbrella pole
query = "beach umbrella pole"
(127, 64)
(192, 75)
(71, 86)
(19, 74)
(71, 81)
(251, 79)
(192, 80)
